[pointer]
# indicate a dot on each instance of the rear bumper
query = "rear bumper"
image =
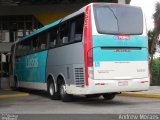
(109, 86)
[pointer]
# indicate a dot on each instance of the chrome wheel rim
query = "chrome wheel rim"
(51, 89)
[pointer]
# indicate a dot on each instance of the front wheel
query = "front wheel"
(63, 94)
(109, 96)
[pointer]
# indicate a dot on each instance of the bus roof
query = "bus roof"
(40, 30)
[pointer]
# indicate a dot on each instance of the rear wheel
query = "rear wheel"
(63, 94)
(109, 96)
(51, 91)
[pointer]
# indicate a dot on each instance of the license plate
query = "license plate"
(123, 83)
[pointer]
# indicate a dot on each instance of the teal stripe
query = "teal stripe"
(112, 55)
(111, 40)
(32, 68)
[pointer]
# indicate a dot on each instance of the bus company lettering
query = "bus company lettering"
(86, 18)
(31, 62)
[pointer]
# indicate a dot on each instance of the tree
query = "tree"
(150, 39)
(156, 31)
(155, 72)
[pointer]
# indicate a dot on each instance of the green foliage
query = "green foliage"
(154, 40)
(156, 30)
(156, 72)
(156, 17)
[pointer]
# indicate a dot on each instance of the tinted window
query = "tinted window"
(63, 33)
(118, 19)
(76, 28)
(23, 48)
(26, 45)
(42, 41)
(53, 37)
(19, 49)
(34, 43)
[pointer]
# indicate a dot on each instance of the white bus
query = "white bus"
(102, 49)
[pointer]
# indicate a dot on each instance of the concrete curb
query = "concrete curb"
(141, 95)
(13, 95)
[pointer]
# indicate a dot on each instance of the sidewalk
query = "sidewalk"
(9, 93)
(153, 92)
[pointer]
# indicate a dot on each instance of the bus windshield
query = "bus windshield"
(118, 19)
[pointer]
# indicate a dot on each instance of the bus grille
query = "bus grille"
(79, 77)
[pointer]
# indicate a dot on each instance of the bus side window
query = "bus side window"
(72, 31)
(52, 37)
(63, 33)
(42, 41)
(18, 50)
(76, 28)
(34, 44)
(26, 45)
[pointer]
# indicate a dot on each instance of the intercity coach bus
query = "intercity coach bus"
(101, 49)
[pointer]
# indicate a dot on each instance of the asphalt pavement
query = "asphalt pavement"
(36, 105)
(153, 92)
(39, 103)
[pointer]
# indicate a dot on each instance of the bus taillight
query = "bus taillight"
(90, 58)
(90, 63)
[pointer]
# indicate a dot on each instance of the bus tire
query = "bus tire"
(109, 96)
(51, 90)
(63, 94)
